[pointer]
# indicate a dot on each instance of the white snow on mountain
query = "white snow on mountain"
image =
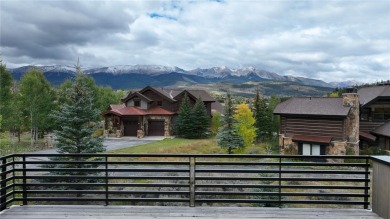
(56, 68)
(143, 69)
(250, 73)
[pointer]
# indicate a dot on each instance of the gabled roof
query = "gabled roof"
(160, 91)
(367, 136)
(314, 106)
(383, 130)
(314, 139)
(195, 94)
(132, 95)
(158, 111)
(122, 110)
(115, 106)
(368, 94)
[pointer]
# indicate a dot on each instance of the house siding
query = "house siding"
(144, 105)
(151, 116)
(156, 97)
(325, 127)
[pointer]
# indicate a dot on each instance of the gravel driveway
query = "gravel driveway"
(114, 143)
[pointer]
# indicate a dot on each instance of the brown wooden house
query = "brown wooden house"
(149, 112)
(319, 126)
(375, 116)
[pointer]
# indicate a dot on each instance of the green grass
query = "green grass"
(175, 146)
(190, 146)
(12, 147)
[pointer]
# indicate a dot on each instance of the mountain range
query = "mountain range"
(138, 76)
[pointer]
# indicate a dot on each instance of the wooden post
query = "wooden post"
(366, 184)
(3, 191)
(381, 186)
(192, 181)
(24, 181)
(106, 174)
(280, 182)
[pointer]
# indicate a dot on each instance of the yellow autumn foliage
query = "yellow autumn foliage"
(245, 123)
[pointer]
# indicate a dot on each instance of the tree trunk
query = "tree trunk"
(36, 135)
(32, 130)
(32, 137)
(230, 150)
(19, 135)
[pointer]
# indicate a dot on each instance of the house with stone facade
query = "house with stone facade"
(319, 125)
(331, 126)
(375, 116)
(150, 112)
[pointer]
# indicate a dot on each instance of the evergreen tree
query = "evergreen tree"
(77, 120)
(245, 121)
(275, 119)
(262, 117)
(228, 136)
(200, 120)
(184, 119)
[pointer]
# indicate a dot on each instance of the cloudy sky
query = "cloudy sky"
(328, 40)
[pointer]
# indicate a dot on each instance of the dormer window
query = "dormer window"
(159, 103)
(137, 103)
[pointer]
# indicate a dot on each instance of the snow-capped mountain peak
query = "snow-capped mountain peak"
(201, 75)
(142, 69)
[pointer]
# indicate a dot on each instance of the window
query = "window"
(137, 103)
(311, 149)
(159, 103)
(364, 114)
(380, 114)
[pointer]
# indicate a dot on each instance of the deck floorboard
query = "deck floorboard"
(165, 212)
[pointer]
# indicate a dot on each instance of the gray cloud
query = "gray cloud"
(328, 40)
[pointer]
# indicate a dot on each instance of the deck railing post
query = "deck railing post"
(24, 180)
(280, 182)
(192, 181)
(13, 177)
(380, 186)
(106, 174)
(366, 184)
(3, 191)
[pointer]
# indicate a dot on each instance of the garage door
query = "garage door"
(131, 127)
(156, 128)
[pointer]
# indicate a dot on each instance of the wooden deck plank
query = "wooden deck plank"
(149, 212)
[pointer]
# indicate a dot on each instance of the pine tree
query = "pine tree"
(77, 120)
(200, 120)
(228, 136)
(183, 129)
(262, 119)
(275, 120)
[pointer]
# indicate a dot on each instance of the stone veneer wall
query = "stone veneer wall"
(352, 121)
(285, 143)
(287, 146)
(167, 123)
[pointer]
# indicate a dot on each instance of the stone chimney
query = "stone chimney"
(352, 121)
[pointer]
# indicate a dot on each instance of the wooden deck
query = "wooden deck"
(149, 212)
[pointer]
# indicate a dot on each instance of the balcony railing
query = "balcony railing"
(160, 179)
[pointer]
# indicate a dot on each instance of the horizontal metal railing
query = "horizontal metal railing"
(138, 179)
